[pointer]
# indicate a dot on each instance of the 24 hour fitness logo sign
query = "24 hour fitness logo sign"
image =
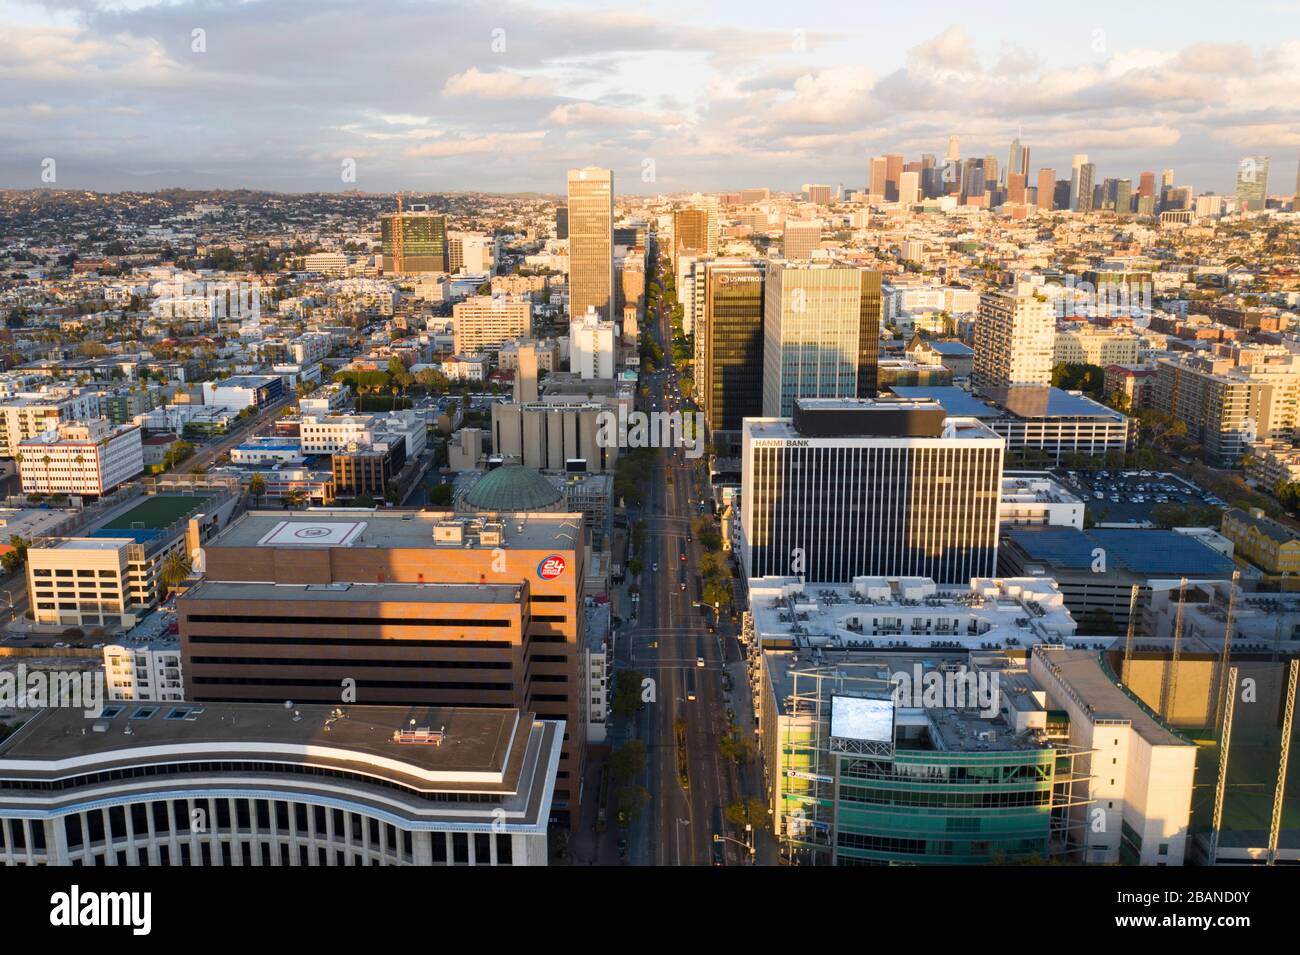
(550, 567)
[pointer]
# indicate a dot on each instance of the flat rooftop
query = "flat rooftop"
(875, 612)
(953, 427)
(1029, 401)
(955, 401)
(950, 729)
(1081, 671)
(247, 381)
(1159, 553)
(221, 592)
(1039, 489)
(390, 528)
(474, 752)
(1020, 401)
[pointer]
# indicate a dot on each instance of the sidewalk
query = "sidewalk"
(586, 845)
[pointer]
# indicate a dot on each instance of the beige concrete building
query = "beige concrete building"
(26, 415)
(1014, 339)
(1229, 405)
(487, 322)
(800, 239)
(1081, 344)
(255, 784)
(1142, 771)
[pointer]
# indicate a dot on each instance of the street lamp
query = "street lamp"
(747, 846)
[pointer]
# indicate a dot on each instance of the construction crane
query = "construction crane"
(1279, 792)
(1226, 655)
(1171, 674)
(1221, 784)
(1128, 639)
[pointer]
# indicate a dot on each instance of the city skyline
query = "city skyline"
(130, 97)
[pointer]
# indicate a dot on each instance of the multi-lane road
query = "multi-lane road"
(666, 643)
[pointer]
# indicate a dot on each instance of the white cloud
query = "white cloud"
(497, 84)
(475, 145)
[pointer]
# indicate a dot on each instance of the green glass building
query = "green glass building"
(946, 787)
(425, 247)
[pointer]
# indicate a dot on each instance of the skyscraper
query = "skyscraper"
(1046, 188)
(818, 193)
(1085, 181)
(415, 240)
(1079, 160)
(1017, 161)
(591, 242)
(799, 239)
(690, 233)
(821, 333)
(1252, 182)
(1016, 187)
(1147, 185)
(931, 177)
(951, 176)
(893, 172)
(730, 377)
(870, 488)
(909, 188)
(878, 185)
(1014, 339)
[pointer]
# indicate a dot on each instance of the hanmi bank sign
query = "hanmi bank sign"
(781, 443)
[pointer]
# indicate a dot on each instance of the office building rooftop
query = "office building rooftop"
(909, 611)
(397, 529)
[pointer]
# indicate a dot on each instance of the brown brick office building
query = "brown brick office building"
(395, 608)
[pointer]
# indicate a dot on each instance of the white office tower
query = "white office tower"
(713, 230)
(821, 333)
(885, 487)
(591, 346)
(909, 188)
(1015, 336)
(1078, 162)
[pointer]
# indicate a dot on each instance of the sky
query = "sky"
(384, 95)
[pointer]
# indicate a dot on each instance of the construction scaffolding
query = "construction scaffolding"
(813, 766)
(1225, 657)
(1169, 686)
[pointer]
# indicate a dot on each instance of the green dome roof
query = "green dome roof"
(512, 488)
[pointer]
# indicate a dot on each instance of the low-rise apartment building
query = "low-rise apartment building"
(86, 459)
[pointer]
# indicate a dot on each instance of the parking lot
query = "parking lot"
(1128, 497)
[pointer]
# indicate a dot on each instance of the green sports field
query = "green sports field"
(156, 512)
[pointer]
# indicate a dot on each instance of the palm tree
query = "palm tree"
(257, 487)
(176, 567)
